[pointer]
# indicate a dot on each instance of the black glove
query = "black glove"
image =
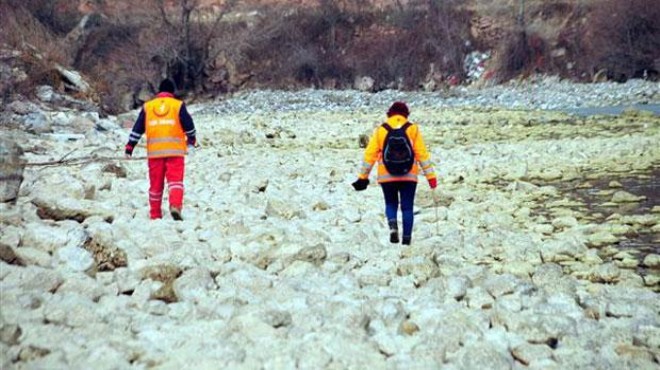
(129, 150)
(360, 184)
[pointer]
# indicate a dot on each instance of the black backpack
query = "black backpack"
(398, 155)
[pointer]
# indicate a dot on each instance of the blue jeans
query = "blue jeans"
(404, 190)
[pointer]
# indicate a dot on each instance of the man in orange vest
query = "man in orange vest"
(170, 131)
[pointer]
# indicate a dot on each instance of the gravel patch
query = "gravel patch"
(546, 93)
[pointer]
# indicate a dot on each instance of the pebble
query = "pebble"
(548, 93)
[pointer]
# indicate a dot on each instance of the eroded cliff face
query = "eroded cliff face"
(113, 53)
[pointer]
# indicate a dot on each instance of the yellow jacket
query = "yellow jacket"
(374, 153)
(165, 136)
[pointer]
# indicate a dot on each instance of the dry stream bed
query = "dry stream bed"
(539, 249)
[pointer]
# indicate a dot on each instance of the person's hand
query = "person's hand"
(433, 182)
(360, 184)
(192, 143)
(128, 150)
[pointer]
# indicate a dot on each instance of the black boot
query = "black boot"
(176, 213)
(394, 231)
(406, 239)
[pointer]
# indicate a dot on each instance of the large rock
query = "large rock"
(33, 256)
(483, 355)
(457, 286)
(70, 209)
(45, 93)
(527, 353)
(562, 250)
(364, 83)
(37, 123)
(652, 260)
(420, 268)
(74, 258)
(193, 284)
(31, 278)
(625, 197)
(11, 169)
(8, 255)
(50, 237)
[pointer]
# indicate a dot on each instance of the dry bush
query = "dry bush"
(139, 47)
(616, 38)
(301, 47)
(555, 37)
(570, 60)
(414, 37)
(118, 64)
(330, 44)
(38, 46)
(186, 36)
(519, 54)
(326, 44)
(379, 57)
(623, 38)
(21, 30)
(58, 16)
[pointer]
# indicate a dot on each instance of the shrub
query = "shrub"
(514, 55)
(106, 55)
(38, 47)
(58, 16)
(147, 43)
(335, 43)
(623, 38)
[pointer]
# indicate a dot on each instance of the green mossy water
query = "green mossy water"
(592, 197)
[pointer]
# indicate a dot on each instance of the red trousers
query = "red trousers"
(161, 169)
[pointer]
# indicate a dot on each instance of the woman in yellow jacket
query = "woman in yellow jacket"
(399, 148)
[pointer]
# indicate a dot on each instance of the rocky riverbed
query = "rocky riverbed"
(539, 249)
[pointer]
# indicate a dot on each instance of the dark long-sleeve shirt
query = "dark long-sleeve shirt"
(186, 122)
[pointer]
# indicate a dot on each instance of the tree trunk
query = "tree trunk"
(186, 10)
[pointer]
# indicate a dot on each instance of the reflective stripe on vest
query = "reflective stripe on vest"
(163, 140)
(165, 136)
(390, 178)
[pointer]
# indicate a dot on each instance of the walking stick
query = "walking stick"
(437, 217)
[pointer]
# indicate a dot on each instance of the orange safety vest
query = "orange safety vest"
(165, 136)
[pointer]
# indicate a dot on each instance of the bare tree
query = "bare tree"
(192, 32)
(623, 38)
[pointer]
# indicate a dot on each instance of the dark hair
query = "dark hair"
(398, 108)
(167, 85)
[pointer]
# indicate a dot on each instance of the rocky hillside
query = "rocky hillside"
(213, 48)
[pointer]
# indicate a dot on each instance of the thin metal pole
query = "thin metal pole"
(521, 14)
(437, 217)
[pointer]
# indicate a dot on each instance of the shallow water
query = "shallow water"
(647, 185)
(594, 201)
(614, 110)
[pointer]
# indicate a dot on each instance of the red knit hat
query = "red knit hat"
(399, 108)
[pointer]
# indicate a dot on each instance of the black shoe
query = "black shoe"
(394, 231)
(176, 214)
(406, 240)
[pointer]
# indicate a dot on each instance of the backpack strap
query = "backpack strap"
(404, 127)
